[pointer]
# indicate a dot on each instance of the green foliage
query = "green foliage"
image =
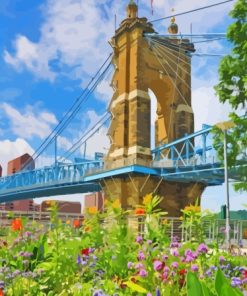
(106, 252)
(232, 88)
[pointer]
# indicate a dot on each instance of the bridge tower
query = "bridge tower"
(138, 69)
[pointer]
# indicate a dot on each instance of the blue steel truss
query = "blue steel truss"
(183, 160)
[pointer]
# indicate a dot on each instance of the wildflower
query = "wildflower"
(76, 223)
(28, 234)
(174, 245)
(164, 257)
(78, 260)
(174, 265)
(202, 249)
(157, 292)
(141, 256)
(149, 242)
(139, 266)
(147, 199)
(166, 269)
(182, 272)
(139, 211)
(194, 267)
(92, 210)
(208, 272)
(85, 252)
(116, 204)
(175, 253)
(222, 259)
(17, 224)
(1, 292)
(164, 276)
(149, 294)
(244, 273)
(189, 256)
(139, 239)
(143, 273)
(158, 265)
(130, 265)
(236, 282)
(68, 222)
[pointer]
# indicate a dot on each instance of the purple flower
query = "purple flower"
(143, 273)
(174, 245)
(166, 269)
(141, 255)
(174, 265)
(78, 261)
(149, 242)
(202, 249)
(139, 266)
(222, 259)
(236, 282)
(157, 292)
(139, 239)
(149, 294)
(208, 272)
(164, 257)
(189, 256)
(194, 267)
(175, 253)
(158, 265)
(130, 265)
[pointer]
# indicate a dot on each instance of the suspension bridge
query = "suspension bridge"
(183, 161)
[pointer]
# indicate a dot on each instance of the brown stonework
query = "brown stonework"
(139, 68)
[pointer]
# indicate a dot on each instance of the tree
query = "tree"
(232, 88)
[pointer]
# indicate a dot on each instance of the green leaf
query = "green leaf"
(205, 290)
(223, 287)
(135, 287)
(194, 287)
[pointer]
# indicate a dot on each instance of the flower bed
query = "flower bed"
(89, 257)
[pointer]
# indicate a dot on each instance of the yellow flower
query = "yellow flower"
(165, 222)
(68, 222)
(92, 210)
(193, 209)
(116, 204)
(147, 199)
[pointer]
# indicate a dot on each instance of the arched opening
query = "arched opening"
(153, 117)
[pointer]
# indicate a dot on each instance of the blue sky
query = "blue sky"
(49, 50)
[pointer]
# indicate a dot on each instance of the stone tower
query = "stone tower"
(137, 69)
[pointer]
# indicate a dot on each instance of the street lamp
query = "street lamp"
(225, 126)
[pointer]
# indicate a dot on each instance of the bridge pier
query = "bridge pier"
(131, 189)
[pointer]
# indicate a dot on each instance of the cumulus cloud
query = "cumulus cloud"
(28, 123)
(12, 149)
(75, 34)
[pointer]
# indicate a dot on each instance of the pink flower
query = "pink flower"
(194, 267)
(174, 265)
(143, 273)
(175, 253)
(141, 256)
(158, 265)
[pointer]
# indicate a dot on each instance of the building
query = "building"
(26, 205)
(94, 200)
(24, 162)
(1, 171)
(67, 207)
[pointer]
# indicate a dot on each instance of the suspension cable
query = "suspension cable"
(155, 53)
(190, 11)
(91, 132)
(68, 113)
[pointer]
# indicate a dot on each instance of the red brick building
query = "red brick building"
(68, 207)
(94, 200)
(26, 162)
(19, 163)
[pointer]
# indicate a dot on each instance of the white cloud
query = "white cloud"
(29, 123)
(75, 33)
(12, 149)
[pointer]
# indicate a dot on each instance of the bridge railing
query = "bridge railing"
(61, 173)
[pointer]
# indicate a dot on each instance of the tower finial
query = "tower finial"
(132, 9)
(173, 28)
